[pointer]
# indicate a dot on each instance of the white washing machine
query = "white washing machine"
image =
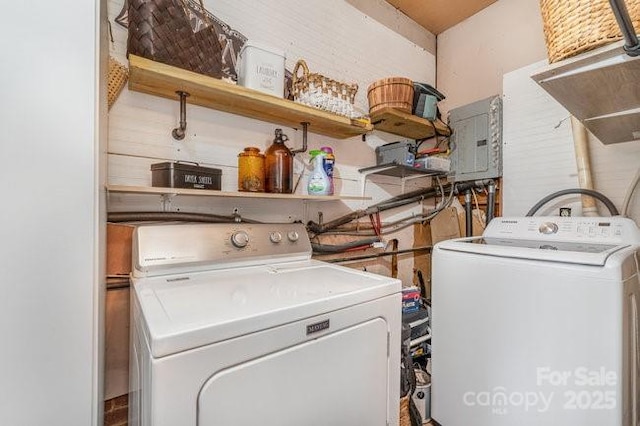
(536, 323)
(235, 325)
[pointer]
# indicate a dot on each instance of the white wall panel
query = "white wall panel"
(52, 115)
(539, 156)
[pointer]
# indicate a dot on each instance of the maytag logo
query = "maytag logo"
(319, 326)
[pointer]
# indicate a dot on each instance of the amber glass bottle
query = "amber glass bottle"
(279, 166)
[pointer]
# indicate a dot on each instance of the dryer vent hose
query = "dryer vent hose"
(607, 202)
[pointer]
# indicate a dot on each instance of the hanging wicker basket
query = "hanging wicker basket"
(405, 415)
(576, 26)
(118, 75)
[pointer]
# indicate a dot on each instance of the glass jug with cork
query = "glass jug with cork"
(279, 165)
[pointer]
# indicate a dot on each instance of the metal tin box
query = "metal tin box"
(402, 152)
(180, 175)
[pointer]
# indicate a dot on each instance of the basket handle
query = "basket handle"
(305, 71)
(205, 15)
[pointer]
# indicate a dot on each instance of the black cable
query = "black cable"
(607, 202)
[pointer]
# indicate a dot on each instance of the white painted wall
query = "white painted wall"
(475, 54)
(336, 40)
(52, 214)
(505, 43)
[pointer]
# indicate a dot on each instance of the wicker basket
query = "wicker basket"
(393, 92)
(118, 75)
(405, 414)
(322, 92)
(175, 32)
(576, 26)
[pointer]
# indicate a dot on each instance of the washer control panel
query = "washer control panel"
(604, 230)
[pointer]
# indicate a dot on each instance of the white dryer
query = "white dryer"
(536, 323)
(235, 325)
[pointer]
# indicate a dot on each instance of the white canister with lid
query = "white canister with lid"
(261, 67)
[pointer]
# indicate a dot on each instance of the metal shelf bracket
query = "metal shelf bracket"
(179, 132)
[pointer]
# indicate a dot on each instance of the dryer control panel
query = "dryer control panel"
(162, 249)
(601, 230)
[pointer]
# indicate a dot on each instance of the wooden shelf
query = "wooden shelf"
(163, 80)
(208, 193)
(399, 171)
(410, 126)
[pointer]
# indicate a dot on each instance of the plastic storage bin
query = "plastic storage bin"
(262, 68)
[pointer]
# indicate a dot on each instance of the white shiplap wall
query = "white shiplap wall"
(336, 40)
(539, 156)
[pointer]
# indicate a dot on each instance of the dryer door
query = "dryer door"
(339, 379)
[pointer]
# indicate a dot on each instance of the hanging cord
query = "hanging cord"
(478, 211)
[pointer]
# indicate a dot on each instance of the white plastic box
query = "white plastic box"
(261, 68)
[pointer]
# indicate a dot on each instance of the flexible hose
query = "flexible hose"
(391, 203)
(629, 194)
(339, 248)
(607, 202)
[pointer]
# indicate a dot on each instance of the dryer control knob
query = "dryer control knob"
(240, 239)
(293, 236)
(548, 228)
(275, 237)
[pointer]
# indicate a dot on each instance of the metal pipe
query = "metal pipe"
(305, 127)
(179, 132)
(491, 201)
(632, 45)
(581, 145)
(468, 213)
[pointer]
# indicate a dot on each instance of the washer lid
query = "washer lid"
(583, 253)
(182, 312)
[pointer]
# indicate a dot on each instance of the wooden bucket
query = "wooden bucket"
(392, 92)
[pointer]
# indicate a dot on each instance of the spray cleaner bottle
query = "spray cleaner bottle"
(319, 182)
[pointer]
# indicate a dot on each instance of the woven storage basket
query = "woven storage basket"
(322, 92)
(576, 26)
(175, 32)
(118, 75)
(393, 92)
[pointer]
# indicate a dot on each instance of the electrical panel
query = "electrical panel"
(476, 141)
